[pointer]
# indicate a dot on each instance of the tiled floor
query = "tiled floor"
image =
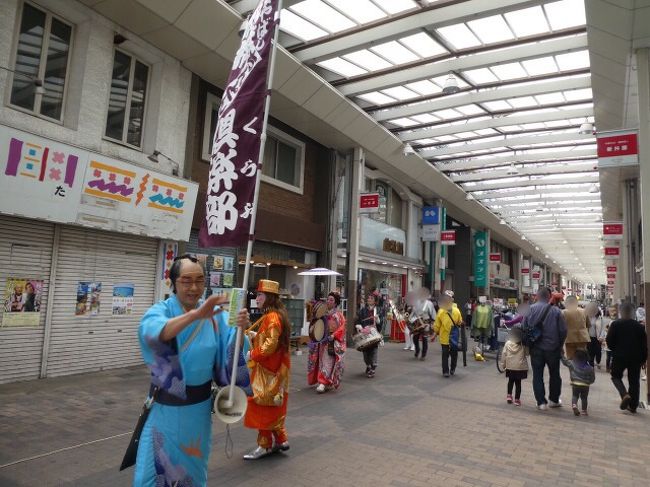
(407, 427)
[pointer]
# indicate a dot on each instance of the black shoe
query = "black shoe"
(446, 375)
(632, 410)
(452, 371)
(625, 402)
(416, 355)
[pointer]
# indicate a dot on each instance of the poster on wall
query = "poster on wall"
(228, 264)
(22, 302)
(228, 279)
(88, 298)
(202, 261)
(123, 298)
(217, 262)
(215, 279)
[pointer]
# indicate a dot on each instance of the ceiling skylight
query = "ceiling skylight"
(459, 36)
(491, 29)
(328, 18)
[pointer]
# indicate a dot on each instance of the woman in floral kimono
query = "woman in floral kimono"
(186, 345)
(269, 363)
(325, 365)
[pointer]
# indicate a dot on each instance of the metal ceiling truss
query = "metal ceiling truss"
(483, 60)
(467, 163)
(508, 141)
(498, 174)
(584, 178)
(482, 96)
(497, 122)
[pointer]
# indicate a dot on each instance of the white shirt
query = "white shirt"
(640, 314)
(423, 309)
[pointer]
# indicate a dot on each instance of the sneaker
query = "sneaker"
(584, 412)
(542, 407)
(452, 371)
(258, 453)
(518, 402)
(625, 402)
(576, 411)
(412, 349)
(445, 375)
(553, 404)
(321, 388)
(509, 398)
(406, 348)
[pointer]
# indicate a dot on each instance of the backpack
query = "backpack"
(455, 342)
(531, 333)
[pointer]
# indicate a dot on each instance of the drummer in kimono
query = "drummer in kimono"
(187, 344)
(269, 364)
(368, 317)
(325, 365)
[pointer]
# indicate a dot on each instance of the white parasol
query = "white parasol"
(319, 271)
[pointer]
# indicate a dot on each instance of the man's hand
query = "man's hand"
(207, 309)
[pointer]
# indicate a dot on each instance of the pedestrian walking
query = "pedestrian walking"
(514, 360)
(597, 334)
(547, 350)
(582, 376)
(448, 317)
(577, 327)
(369, 318)
(628, 342)
(420, 320)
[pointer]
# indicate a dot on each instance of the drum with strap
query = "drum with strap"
(317, 329)
(366, 338)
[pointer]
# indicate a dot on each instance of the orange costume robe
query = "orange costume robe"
(269, 364)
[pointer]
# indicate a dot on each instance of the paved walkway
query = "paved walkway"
(407, 427)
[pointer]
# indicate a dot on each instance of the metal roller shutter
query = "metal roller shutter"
(25, 252)
(90, 343)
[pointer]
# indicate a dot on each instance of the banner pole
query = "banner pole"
(258, 177)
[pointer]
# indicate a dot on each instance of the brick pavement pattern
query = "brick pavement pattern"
(407, 427)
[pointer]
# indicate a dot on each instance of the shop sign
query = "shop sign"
(495, 257)
(369, 203)
(612, 230)
(611, 276)
(448, 237)
(393, 246)
(612, 252)
(480, 259)
(65, 184)
(610, 282)
(430, 233)
(537, 275)
(431, 215)
(525, 270)
(611, 268)
(617, 148)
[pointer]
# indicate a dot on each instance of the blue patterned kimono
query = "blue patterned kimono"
(176, 440)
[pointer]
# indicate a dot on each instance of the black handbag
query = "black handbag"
(132, 450)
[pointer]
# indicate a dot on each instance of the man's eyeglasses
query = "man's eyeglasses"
(187, 282)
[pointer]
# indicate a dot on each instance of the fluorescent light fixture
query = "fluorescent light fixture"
(408, 149)
(469, 197)
(512, 170)
(586, 128)
(502, 222)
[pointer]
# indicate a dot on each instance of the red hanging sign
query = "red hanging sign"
(525, 270)
(448, 237)
(495, 257)
(616, 149)
(611, 276)
(537, 275)
(612, 230)
(611, 268)
(612, 252)
(369, 203)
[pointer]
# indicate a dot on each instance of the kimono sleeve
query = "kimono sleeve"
(226, 337)
(151, 326)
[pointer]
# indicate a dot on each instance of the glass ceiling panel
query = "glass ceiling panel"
(550, 98)
(539, 66)
(404, 122)
(491, 29)
(323, 15)
(583, 94)
(394, 52)
(497, 105)
(377, 98)
(509, 71)
(395, 6)
(566, 13)
(424, 87)
(423, 45)
(400, 93)
(522, 102)
(528, 21)
(299, 27)
(447, 114)
(481, 76)
(573, 60)
(342, 67)
(425, 118)
(459, 36)
(367, 60)
(362, 11)
(470, 109)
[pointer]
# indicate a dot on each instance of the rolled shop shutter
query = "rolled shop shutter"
(83, 343)
(26, 253)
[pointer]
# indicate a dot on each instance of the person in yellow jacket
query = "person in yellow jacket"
(447, 317)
